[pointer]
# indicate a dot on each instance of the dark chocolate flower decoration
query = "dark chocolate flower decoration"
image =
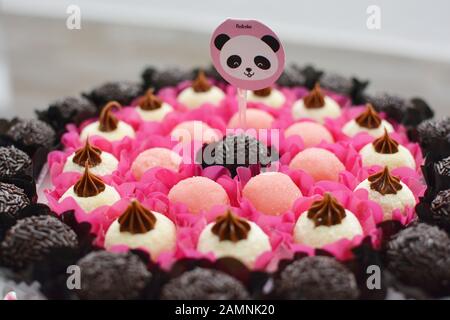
(265, 92)
(231, 227)
(201, 83)
(89, 154)
(315, 99)
(137, 219)
(150, 101)
(385, 144)
(89, 184)
(369, 118)
(385, 183)
(108, 122)
(326, 212)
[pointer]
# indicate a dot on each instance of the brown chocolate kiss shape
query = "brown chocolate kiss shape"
(150, 101)
(137, 219)
(369, 118)
(315, 99)
(89, 184)
(201, 83)
(265, 92)
(384, 183)
(385, 144)
(326, 212)
(231, 227)
(89, 154)
(108, 121)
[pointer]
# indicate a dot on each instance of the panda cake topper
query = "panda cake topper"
(247, 54)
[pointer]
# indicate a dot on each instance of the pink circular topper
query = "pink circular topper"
(247, 54)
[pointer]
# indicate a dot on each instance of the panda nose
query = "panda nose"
(248, 69)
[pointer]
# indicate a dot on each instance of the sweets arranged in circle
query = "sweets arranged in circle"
(198, 194)
(388, 191)
(152, 108)
(385, 151)
(232, 236)
(321, 164)
(200, 92)
(90, 192)
(325, 222)
(272, 193)
(312, 133)
(269, 96)
(155, 157)
(101, 163)
(368, 121)
(108, 126)
(255, 119)
(317, 106)
(139, 227)
(195, 130)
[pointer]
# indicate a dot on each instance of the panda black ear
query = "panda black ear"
(220, 40)
(271, 42)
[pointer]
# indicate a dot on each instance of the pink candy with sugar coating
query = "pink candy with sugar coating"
(311, 133)
(272, 193)
(195, 130)
(321, 164)
(199, 194)
(256, 119)
(155, 157)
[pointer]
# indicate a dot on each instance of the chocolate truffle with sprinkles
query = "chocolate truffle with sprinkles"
(121, 91)
(440, 209)
(13, 161)
(112, 276)
(336, 83)
(393, 106)
(204, 284)
(431, 131)
(235, 151)
(316, 278)
(420, 256)
(32, 132)
(12, 199)
(32, 238)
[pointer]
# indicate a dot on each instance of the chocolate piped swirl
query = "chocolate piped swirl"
(89, 154)
(108, 121)
(326, 212)
(150, 101)
(315, 99)
(136, 219)
(265, 92)
(369, 118)
(89, 185)
(201, 83)
(231, 227)
(385, 183)
(385, 144)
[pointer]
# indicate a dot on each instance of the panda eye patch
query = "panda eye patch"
(262, 62)
(234, 61)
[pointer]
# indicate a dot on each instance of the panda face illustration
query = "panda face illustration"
(247, 57)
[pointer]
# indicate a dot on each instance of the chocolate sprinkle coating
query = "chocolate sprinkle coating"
(12, 199)
(393, 106)
(32, 238)
(121, 91)
(235, 151)
(317, 278)
(336, 83)
(420, 256)
(443, 167)
(13, 161)
(171, 77)
(32, 132)
(433, 129)
(112, 276)
(204, 284)
(440, 209)
(291, 77)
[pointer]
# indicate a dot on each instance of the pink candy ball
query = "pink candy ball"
(321, 164)
(256, 119)
(199, 194)
(155, 157)
(195, 130)
(311, 133)
(272, 193)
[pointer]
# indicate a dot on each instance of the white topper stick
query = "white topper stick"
(242, 104)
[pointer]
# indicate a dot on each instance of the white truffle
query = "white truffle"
(156, 114)
(352, 128)
(162, 238)
(402, 158)
(389, 202)
(193, 99)
(306, 232)
(275, 99)
(123, 130)
(107, 166)
(105, 198)
(331, 109)
(246, 250)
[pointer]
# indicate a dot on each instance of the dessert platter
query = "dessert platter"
(157, 192)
